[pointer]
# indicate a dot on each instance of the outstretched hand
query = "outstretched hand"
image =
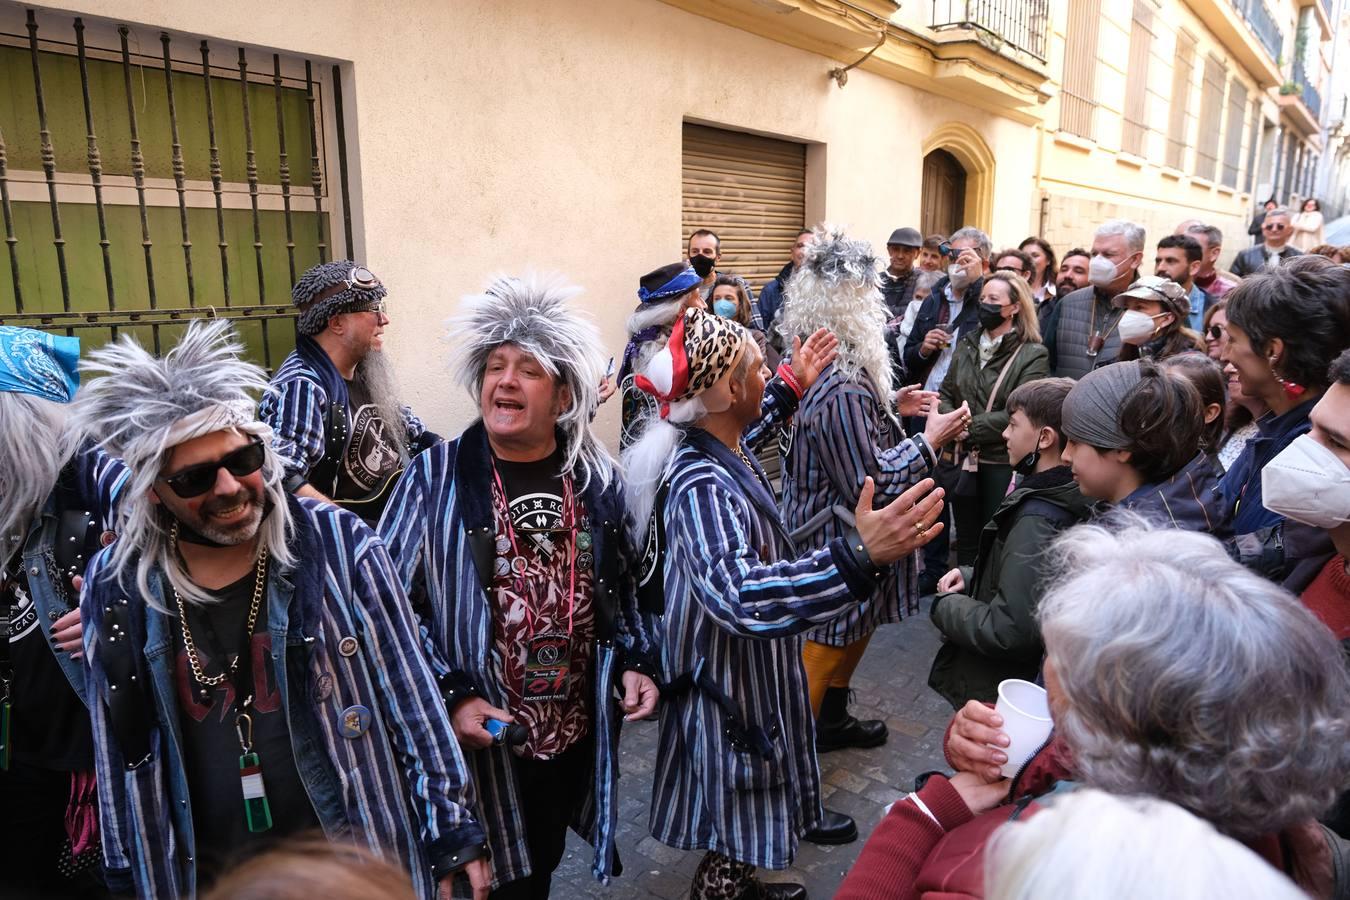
(913, 400)
(810, 358)
(943, 428)
(901, 527)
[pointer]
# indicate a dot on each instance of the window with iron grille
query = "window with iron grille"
(1232, 151)
(1078, 94)
(1134, 126)
(1211, 120)
(147, 178)
(1183, 72)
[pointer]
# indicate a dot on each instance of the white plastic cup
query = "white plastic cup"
(1026, 721)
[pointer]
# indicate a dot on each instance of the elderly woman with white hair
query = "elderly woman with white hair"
(1172, 672)
(1094, 844)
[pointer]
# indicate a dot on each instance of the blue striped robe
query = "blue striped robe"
(400, 788)
(298, 415)
(446, 495)
(736, 601)
(841, 435)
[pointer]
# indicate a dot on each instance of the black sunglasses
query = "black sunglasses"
(1215, 332)
(197, 480)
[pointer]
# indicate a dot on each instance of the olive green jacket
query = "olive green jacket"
(968, 381)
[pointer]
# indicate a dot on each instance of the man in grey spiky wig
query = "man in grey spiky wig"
(340, 728)
(514, 539)
(335, 413)
(846, 431)
(58, 502)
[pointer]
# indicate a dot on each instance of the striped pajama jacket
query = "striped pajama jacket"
(399, 787)
(298, 414)
(440, 511)
(840, 436)
(736, 601)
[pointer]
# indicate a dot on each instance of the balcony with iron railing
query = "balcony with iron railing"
(1018, 24)
(1300, 101)
(1262, 23)
(1307, 93)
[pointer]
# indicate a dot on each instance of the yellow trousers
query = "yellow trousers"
(830, 667)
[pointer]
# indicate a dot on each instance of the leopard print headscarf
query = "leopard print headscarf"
(702, 349)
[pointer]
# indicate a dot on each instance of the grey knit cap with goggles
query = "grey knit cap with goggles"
(359, 290)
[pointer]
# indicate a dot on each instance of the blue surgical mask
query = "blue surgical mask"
(725, 308)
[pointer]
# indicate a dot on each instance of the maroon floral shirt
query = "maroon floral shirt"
(534, 593)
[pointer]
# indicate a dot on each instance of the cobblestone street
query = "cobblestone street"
(890, 684)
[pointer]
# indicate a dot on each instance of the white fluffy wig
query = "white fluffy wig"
(647, 460)
(837, 287)
(35, 447)
(143, 406)
(532, 312)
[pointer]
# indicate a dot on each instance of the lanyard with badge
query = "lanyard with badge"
(548, 658)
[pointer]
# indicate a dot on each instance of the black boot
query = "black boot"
(835, 828)
(837, 730)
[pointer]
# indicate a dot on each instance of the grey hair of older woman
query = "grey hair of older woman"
(1092, 844)
(1187, 677)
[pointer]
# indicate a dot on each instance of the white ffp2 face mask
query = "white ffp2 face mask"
(956, 274)
(1308, 483)
(1101, 271)
(1135, 327)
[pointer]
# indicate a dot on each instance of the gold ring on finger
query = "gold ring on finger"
(919, 527)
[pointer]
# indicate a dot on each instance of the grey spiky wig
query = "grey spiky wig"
(838, 287)
(323, 277)
(531, 312)
(143, 406)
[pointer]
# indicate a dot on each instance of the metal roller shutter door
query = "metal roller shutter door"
(751, 191)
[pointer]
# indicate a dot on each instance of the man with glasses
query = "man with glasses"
(1275, 250)
(254, 670)
(1014, 261)
(335, 413)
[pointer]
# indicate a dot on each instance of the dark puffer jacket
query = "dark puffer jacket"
(1189, 500)
(990, 632)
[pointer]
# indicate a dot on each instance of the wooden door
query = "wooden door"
(944, 194)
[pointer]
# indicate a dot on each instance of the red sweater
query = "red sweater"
(1328, 596)
(911, 857)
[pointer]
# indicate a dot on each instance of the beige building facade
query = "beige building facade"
(1181, 109)
(486, 137)
(444, 142)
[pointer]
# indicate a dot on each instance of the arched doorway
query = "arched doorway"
(958, 180)
(944, 194)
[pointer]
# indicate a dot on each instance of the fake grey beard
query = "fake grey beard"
(375, 373)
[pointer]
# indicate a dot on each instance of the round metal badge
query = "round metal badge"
(354, 721)
(348, 646)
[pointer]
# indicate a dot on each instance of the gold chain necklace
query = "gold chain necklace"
(745, 459)
(194, 661)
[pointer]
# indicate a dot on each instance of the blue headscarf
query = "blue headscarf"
(37, 363)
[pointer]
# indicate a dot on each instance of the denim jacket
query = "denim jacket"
(399, 786)
(90, 484)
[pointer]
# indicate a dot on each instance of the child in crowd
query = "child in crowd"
(987, 613)
(1134, 435)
